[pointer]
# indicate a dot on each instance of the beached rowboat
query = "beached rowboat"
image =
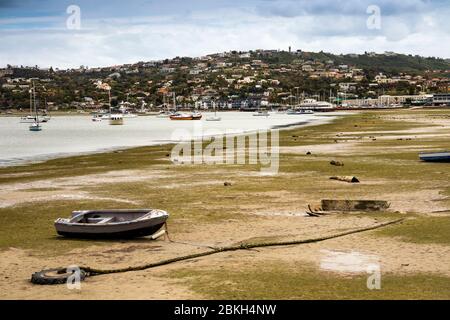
(443, 156)
(112, 223)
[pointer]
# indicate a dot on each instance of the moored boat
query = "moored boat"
(35, 126)
(116, 119)
(165, 114)
(442, 156)
(299, 111)
(186, 116)
(261, 113)
(112, 223)
(215, 117)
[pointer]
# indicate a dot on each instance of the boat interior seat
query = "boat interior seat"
(101, 220)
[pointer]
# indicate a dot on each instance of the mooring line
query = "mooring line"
(93, 272)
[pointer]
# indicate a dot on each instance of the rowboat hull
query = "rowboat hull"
(134, 232)
(185, 117)
(111, 224)
(443, 156)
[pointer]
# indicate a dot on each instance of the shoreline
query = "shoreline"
(23, 162)
(252, 207)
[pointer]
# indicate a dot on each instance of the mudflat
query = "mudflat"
(380, 148)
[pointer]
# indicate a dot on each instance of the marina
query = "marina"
(68, 135)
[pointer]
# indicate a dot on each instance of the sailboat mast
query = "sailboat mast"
(34, 102)
(174, 104)
(109, 100)
(31, 100)
(164, 101)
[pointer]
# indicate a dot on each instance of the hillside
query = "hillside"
(268, 76)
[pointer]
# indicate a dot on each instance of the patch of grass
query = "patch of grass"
(134, 158)
(40, 189)
(276, 281)
(420, 230)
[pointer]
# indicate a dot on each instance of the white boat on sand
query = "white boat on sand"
(127, 223)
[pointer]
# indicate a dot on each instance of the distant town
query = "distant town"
(235, 80)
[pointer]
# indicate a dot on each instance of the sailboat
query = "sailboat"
(45, 116)
(215, 117)
(261, 113)
(165, 113)
(184, 116)
(115, 118)
(35, 126)
(31, 118)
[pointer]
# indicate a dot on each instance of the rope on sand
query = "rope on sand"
(244, 246)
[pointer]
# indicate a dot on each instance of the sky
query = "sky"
(51, 33)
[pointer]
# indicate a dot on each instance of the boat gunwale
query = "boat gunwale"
(143, 218)
(434, 153)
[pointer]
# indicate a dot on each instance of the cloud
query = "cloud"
(198, 27)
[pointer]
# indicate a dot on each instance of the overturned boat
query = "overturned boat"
(112, 223)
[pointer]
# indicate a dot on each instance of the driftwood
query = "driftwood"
(354, 205)
(316, 212)
(341, 206)
(336, 163)
(350, 179)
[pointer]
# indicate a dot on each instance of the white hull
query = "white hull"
(116, 120)
(213, 119)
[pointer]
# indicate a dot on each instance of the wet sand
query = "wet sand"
(274, 215)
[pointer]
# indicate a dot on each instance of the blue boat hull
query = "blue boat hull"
(435, 156)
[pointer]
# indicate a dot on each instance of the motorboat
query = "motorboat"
(97, 117)
(122, 223)
(116, 119)
(186, 116)
(299, 111)
(261, 113)
(129, 115)
(213, 118)
(165, 114)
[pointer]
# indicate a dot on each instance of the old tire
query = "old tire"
(54, 276)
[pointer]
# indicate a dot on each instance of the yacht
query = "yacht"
(35, 126)
(299, 111)
(261, 113)
(116, 119)
(165, 114)
(312, 104)
(186, 116)
(214, 117)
